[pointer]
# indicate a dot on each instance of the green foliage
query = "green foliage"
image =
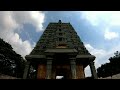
(112, 68)
(5, 44)
(11, 63)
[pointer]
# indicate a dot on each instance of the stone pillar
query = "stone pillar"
(49, 69)
(93, 71)
(80, 71)
(26, 70)
(73, 67)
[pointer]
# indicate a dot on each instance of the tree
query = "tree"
(11, 63)
(111, 68)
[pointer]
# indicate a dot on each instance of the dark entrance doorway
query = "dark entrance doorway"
(62, 66)
(62, 73)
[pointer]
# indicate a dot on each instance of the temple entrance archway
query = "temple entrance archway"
(62, 73)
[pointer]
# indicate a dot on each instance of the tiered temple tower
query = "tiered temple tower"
(60, 52)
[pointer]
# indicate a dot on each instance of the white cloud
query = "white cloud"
(90, 16)
(13, 20)
(103, 19)
(110, 35)
(6, 21)
(22, 47)
(111, 18)
(36, 18)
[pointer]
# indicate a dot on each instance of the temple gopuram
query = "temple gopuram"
(59, 52)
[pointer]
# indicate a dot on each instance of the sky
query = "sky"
(98, 30)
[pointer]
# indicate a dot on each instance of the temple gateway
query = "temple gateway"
(59, 52)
